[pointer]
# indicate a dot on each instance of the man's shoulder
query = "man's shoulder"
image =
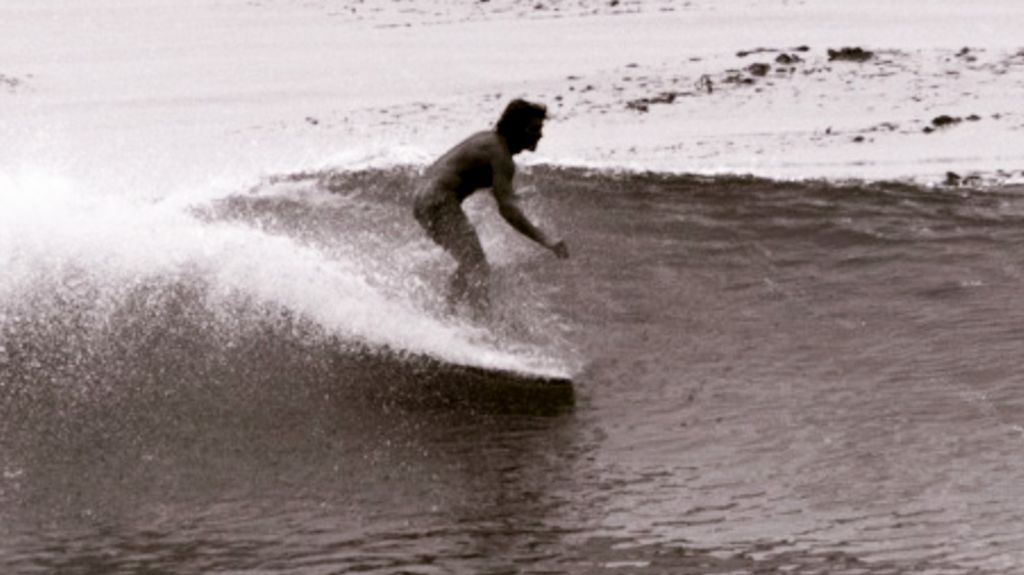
(488, 147)
(486, 141)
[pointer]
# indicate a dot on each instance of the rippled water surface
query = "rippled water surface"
(770, 377)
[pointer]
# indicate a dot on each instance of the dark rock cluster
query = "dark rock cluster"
(945, 121)
(644, 104)
(855, 54)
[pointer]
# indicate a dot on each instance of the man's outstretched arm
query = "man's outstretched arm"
(508, 207)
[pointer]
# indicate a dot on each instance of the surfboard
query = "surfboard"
(502, 390)
(419, 380)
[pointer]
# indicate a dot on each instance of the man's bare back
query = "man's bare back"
(481, 161)
(466, 168)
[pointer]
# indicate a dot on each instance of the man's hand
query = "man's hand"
(560, 249)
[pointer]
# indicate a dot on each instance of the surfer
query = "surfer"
(483, 160)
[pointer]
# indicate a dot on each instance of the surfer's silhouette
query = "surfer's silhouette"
(483, 160)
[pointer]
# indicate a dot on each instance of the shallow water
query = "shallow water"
(771, 377)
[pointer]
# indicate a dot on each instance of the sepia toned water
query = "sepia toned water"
(770, 377)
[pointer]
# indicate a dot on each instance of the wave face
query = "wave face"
(806, 376)
(184, 308)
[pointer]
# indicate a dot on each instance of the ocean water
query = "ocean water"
(770, 377)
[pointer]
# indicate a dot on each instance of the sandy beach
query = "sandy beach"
(236, 89)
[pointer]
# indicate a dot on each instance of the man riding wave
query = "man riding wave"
(483, 160)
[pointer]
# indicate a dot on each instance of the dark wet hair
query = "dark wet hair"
(515, 116)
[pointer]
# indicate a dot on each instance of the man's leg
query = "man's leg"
(471, 282)
(448, 226)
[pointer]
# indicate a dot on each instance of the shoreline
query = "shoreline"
(745, 87)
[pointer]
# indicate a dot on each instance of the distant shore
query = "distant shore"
(764, 87)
